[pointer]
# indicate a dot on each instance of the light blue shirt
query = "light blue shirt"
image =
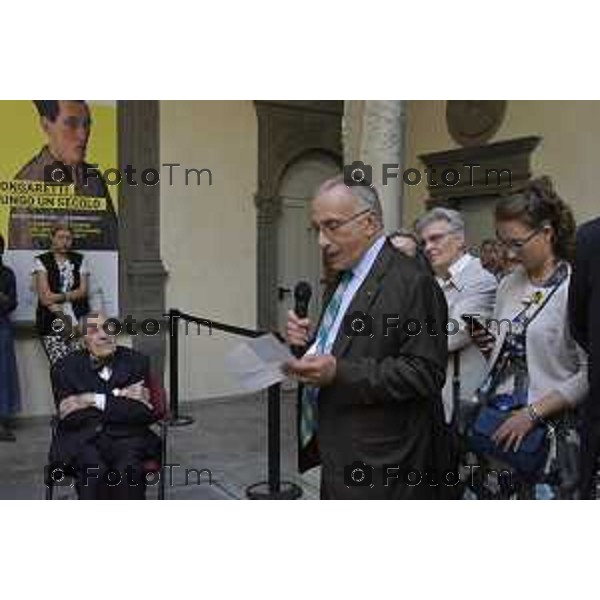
(359, 273)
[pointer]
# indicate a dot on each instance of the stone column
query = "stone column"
(373, 132)
(142, 276)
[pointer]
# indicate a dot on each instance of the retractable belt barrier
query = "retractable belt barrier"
(273, 488)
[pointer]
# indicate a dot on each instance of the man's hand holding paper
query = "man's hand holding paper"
(258, 363)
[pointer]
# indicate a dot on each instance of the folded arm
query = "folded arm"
(129, 405)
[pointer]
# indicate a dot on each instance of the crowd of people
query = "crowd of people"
(520, 385)
(512, 388)
(515, 372)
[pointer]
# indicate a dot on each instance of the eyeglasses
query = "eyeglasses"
(517, 245)
(74, 122)
(436, 238)
(331, 226)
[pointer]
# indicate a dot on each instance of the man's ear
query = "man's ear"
(374, 223)
(45, 124)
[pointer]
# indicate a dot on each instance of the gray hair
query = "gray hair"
(452, 217)
(366, 195)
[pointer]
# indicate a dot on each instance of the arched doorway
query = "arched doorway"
(298, 256)
(294, 137)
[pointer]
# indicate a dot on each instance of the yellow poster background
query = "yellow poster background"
(22, 138)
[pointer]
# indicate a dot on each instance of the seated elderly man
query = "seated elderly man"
(469, 289)
(104, 407)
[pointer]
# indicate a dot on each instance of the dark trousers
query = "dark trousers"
(111, 468)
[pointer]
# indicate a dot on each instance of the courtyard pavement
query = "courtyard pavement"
(228, 437)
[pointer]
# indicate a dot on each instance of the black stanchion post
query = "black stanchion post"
(176, 420)
(274, 488)
(274, 441)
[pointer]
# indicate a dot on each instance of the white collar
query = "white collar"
(455, 269)
(458, 265)
(105, 373)
(368, 258)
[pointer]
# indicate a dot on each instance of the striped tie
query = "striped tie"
(308, 416)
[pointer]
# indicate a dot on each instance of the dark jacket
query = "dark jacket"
(384, 406)
(8, 287)
(43, 316)
(122, 417)
(101, 226)
(584, 316)
(584, 300)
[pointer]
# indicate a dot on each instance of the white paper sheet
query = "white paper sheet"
(257, 363)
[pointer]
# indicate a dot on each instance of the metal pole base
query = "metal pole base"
(262, 491)
(180, 421)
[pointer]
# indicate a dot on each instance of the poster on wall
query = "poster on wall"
(53, 163)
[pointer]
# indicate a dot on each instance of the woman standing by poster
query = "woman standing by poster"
(9, 379)
(61, 281)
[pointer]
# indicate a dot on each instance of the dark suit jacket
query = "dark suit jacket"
(122, 417)
(584, 300)
(584, 316)
(384, 406)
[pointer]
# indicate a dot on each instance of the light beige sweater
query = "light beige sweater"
(555, 362)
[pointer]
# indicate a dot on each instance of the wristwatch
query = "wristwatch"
(533, 415)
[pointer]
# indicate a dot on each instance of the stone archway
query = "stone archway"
(286, 131)
(298, 254)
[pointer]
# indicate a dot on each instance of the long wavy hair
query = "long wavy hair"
(538, 204)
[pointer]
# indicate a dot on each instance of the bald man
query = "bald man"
(371, 401)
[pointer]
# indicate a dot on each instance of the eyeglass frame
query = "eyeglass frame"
(438, 238)
(518, 245)
(329, 229)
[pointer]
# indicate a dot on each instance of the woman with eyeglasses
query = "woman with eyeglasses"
(537, 373)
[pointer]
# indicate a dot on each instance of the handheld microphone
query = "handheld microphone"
(302, 295)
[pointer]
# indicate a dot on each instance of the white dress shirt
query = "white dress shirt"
(359, 273)
(100, 399)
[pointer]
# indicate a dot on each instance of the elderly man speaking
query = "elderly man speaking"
(375, 365)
